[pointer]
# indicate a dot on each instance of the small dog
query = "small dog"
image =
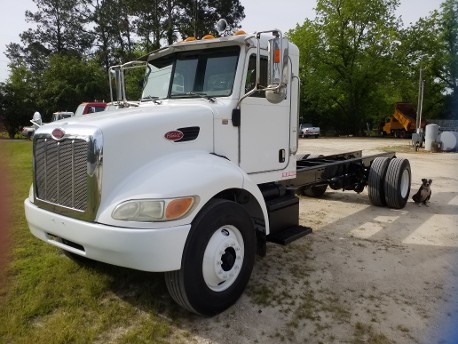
(424, 193)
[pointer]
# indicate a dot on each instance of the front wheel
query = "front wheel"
(217, 260)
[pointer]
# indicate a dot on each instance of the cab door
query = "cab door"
(264, 127)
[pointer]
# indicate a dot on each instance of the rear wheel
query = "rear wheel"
(315, 190)
(217, 260)
(397, 183)
(376, 181)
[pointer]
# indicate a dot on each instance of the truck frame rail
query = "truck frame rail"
(346, 171)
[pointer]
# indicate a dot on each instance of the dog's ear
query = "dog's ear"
(430, 181)
(424, 180)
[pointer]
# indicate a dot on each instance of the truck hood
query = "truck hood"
(134, 137)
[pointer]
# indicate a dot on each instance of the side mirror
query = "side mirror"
(277, 74)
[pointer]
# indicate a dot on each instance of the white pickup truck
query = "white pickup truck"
(36, 121)
(307, 130)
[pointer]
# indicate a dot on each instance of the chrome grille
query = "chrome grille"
(61, 173)
(68, 172)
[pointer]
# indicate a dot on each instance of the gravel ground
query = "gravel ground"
(365, 275)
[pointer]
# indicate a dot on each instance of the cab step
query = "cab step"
(288, 235)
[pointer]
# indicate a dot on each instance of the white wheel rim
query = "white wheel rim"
(405, 182)
(223, 258)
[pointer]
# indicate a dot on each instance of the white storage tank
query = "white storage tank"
(431, 135)
(449, 141)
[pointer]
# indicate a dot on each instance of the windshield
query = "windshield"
(79, 111)
(197, 73)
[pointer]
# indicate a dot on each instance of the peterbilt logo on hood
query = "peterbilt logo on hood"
(58, 134)
(174, 135)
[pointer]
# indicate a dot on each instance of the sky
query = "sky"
(260, 15)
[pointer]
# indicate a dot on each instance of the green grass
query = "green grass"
(48, 298)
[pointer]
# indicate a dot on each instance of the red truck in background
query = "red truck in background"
(90, 107)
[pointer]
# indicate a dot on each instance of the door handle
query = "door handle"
(281, 155)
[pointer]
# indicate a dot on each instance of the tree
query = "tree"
(69, 81)
(431, 45)
(59, 28)
(185, 18)
(449, 24)
(200, 17)
(315, 105)
(150, 23)
(421, 51)
(112, 31)
(17, 100)
(351, 60)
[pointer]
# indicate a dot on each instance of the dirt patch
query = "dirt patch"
(366, 275)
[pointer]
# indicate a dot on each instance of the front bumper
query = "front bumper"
(140, 249)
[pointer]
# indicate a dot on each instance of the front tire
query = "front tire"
(217, 260)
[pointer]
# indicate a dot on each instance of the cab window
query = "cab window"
(251, 76)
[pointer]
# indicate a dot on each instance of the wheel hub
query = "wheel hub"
(223, 258)
(228, 259)
(405, 183)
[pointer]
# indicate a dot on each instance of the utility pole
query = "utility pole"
(421, 88)
(195, 18)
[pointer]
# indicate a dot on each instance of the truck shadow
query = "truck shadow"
(276, 276)
(146, 291)
(399, 223)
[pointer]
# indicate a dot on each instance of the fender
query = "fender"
(191, 173)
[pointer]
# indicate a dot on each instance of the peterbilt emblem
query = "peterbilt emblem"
(174, 135)
(58, 134)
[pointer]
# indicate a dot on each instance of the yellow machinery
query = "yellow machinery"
(402, 123)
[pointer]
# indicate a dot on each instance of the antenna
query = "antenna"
(195, 19)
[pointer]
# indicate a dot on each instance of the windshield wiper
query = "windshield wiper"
(198, 94)
(149, 98)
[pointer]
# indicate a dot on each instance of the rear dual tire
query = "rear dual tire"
(389, 182)
(376, 181)
(397, 183)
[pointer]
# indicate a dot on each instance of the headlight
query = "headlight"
(149, 210)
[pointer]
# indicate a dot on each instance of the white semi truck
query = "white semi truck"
(184, 181)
